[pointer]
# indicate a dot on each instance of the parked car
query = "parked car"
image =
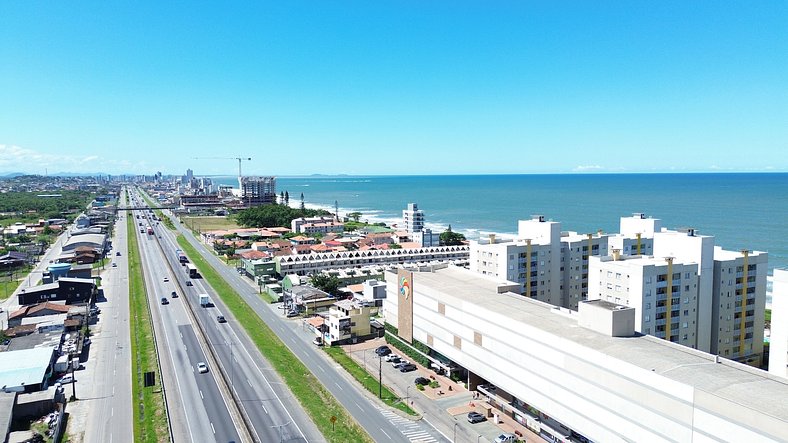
(291, 314)
(475, 417)
(506, 438)
(396, 361)
(391, 357)
(317, 341)
(66, 379)
(400, 364)
(221, 319)
(189, 283)
(407, 367)
(117, 254)
(382, 350)
(164, 301)
(202, 368)
(114, 265)
(174, 294)
(421, 381)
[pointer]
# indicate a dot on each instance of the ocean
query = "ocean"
(741, 210)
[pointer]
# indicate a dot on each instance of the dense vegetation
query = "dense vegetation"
(20, 203)
(268, 216)
(326, 283)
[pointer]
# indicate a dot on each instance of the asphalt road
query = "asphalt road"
(268, 404)
(364, 410)
(108, 394)
(198, 412)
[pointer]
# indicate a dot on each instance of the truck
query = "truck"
(205, 301)
(64, 364)
(150, 230)
(181, 256)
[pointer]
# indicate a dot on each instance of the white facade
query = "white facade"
(426, 237)
(663, 292)
(413, 218)
(605, 388)
(295, 224)
(778, 347)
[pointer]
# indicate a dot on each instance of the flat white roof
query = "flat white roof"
(735, 382)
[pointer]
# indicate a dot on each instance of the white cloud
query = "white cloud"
(18, 159)
(587, 168)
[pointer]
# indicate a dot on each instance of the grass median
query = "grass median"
(367, 380)
(316, 400)
(150, 417)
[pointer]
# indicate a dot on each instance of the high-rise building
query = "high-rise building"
(413, 218)
(256, 191)
(778, 342)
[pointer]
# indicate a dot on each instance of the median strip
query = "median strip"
(316, 400)
(150, 416)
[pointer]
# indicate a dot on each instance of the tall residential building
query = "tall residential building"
(778, 344)
(413, 222)
(256, 191)
(690, 292)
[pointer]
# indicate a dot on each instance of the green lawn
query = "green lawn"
(316, 400)
(369, 381)
(150, 417)
(211, 223)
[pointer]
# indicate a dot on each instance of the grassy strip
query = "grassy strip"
(316, 400)
(9, 287)
(100, 263)
(150, 418)
(367, 380)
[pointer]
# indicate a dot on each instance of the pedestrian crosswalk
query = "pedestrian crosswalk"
(414, 431)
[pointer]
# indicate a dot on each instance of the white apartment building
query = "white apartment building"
(636, 236)
(297, 223)
(413, 218)
(664, 292)
(690, 292)
(563, 380)
(576, 249)
(778, 344)
(322, 228)
(739, 302)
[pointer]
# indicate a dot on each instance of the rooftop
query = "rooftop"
(740, 384)
(27, 366)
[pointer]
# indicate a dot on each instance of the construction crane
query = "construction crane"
(240, 159)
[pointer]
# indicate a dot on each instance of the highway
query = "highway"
(363, 409)
(265, 402)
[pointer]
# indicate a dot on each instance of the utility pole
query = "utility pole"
(380, 377)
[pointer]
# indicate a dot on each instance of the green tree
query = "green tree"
(355, 216)
(451, 238)
(326, 283)
(287, 198)
(303, 206)
(273, 215)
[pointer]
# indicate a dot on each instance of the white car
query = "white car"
(202, 368)
(66, 379)
(391, 357)
(506, 438)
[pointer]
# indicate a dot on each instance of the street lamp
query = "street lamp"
(380, 376)
(455, 432)
(407, 397)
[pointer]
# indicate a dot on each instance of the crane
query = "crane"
(240, 159)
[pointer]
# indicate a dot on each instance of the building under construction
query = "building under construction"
(256, 191)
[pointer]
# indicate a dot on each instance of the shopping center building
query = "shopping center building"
(580, 375)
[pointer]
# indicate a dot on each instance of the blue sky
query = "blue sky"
(393, 87)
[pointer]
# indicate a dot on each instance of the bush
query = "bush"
(434, 384)
(420, 387)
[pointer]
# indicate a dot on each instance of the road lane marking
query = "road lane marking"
(264, 409)
(250, 383)
(340, 387)
(387, 435)
(201, 396)
(212, 429)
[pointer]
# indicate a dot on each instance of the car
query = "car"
(189, 283)
(421, 381)
(408, 367)
(382, 351)
(164, 301)
(221, 319)
(317, 341)
(400, 364)
(65, 379)
(174, 294)
(506, 438)
(391, 357)
(202, 368)
(291, 314)
(166, 279)
(396, 361)
(475, 417)
(114, 265)
(117, 254)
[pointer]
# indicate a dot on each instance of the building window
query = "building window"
(684, 337)
(647, 318)
(684, 325)
(457, 342)
(648, 305)
(477, 338)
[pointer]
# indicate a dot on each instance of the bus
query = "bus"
(192, 270)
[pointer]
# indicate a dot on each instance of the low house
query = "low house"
(348, 321)
(70, 290)
(309, 299)
(44, 309)
(26, 370)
